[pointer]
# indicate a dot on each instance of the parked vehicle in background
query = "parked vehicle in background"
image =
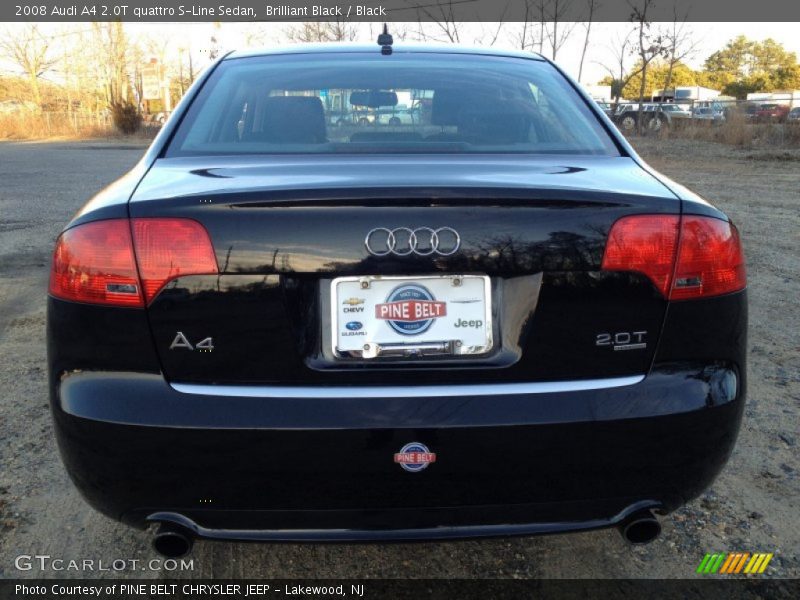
(398, 116)
(676, 111)
(794, 115)
(788, 98)
(351, 119)
(708, 113)
(751, 112)
(685, 94)
(772, 113)
(606, 107)
(655, 116)
(626, 116)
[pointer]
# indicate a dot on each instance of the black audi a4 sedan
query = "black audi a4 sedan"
(295, 320)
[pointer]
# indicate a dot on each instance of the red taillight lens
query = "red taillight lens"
(170, 248)
(94, 263)
(705, 260)
(710, 259)
(646, 244)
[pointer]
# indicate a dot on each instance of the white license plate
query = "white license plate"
(435, 315)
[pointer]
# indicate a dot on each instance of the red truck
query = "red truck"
(772, 112)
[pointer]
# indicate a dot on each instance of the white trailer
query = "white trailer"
(790, 98)
(686, 94)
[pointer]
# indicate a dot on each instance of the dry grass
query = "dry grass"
(46, 126)
(736, 131)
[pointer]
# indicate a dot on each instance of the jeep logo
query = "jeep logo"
(471, 324)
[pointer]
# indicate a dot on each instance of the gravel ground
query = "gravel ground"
(753, 506)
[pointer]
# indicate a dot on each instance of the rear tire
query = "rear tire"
(627, 123)
(656, 124)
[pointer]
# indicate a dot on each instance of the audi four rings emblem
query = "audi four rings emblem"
(404, 241)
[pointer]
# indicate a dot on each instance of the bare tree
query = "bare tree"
(29, 49)
(489, 36)
(650, 46)
(256, 34)
(592, 5)
(556, 30)
(618, 71)
(111, 45)
(541, 9)
(318, 31)
(80, 69)
(214, 47)
(525, 38)
(442, 16)
(679, 43)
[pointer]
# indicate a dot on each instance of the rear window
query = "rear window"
(403, 103)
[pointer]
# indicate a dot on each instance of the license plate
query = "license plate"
(436, 315)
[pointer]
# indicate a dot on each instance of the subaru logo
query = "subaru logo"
(354, 325)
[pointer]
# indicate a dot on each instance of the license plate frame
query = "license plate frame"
(443, 336)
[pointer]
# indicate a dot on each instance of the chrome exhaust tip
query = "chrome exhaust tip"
(641, 527)
(172, 541)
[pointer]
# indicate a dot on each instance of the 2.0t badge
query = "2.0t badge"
(414, 457)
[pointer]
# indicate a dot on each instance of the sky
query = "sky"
(230, 36)
(710, 37)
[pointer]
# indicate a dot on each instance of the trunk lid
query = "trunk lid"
(284, 228)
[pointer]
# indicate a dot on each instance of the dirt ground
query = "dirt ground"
(753, 506)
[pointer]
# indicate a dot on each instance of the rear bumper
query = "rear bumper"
(262, 464)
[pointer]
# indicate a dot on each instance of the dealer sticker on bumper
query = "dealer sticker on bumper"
(414, 457)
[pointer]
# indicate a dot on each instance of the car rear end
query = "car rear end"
(493, 321)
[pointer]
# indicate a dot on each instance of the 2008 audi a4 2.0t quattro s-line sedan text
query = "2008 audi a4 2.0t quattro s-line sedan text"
(293, 320)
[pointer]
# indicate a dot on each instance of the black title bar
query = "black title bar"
(374, 589)
(396, 10)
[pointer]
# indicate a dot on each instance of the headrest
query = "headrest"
(502, 125)
(446, 105)
(294, 120)
(482, 116)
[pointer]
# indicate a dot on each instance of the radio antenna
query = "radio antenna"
(385, 40)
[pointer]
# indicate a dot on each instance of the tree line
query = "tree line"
(91, 67)
(743, 66)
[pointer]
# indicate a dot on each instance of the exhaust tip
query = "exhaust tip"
(172, 542)
(641, 528)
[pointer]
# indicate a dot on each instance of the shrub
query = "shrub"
(126, 117)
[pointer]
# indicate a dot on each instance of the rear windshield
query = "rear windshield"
(403, 103)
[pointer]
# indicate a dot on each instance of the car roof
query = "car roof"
(400, 48)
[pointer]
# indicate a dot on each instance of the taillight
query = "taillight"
(685, 257)
(710, 259)
(95, 262)
(170, 248)
(645, 244)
